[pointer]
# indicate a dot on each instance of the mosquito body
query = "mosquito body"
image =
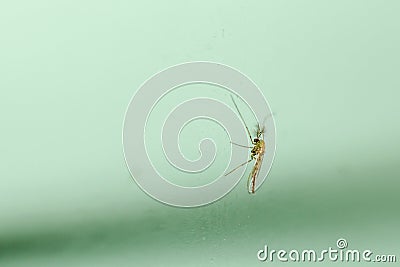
(257, 153)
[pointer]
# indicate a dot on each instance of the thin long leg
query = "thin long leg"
(240, 145)
(239, 166)
(240, 114)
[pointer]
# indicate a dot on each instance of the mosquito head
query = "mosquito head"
(256, 140)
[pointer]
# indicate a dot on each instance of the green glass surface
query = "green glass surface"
(68, 69)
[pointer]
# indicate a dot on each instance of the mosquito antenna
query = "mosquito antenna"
(240, 114)
(262, 128)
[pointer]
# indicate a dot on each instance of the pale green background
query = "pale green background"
(329, 69)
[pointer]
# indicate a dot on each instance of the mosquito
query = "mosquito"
(257, 152)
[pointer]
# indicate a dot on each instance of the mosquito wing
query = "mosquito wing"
(251, 182)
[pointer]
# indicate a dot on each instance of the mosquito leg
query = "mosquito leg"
(240, 145)
(240, 114)
(239, 166)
